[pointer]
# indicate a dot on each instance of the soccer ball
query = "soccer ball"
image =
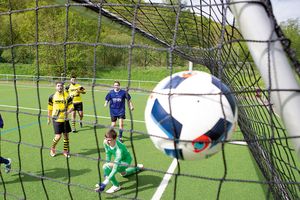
(189, 114)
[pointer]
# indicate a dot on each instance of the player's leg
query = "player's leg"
(54, 143)
(74, 119)
(3, 160)
(107, 168)
(66, 145)
(79, 108)
(67, 129)
(126, 170)
(81, 117)
(121, 127)
(113, 121)
(58, 128)
(7, 162)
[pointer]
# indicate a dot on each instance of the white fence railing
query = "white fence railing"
(84, 81)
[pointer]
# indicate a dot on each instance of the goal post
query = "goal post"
(139, 43)
(268, 54)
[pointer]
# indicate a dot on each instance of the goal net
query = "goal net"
(239, 42)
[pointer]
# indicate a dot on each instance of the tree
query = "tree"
(291, 29)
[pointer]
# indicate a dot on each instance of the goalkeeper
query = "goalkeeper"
(114, 147)
(75, 90)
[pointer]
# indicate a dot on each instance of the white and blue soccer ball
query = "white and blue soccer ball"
(190, 114)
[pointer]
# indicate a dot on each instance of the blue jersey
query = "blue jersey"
(117, 102)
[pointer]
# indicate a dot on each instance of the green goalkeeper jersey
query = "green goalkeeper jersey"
(121, 156)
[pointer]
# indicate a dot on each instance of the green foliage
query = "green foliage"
(58, 47)
(59, 43)
(291, 29)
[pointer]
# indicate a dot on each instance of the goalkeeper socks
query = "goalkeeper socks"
(54, 143)
(66, 145)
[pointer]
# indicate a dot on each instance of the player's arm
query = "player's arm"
(128, 97)
(81, 90)
(105, 103)
(130, 105)
(116, 163)
(107, 98)
(70, 107)
(67, 88)
(49, 116)
(107, 151)
(50, 108)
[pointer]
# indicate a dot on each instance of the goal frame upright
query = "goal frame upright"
(258, 29)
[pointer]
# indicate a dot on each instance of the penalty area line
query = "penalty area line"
(164, 183)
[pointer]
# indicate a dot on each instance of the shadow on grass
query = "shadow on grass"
(145, 182)
(56, 173)
(84, 129)
(88, 152)
(135, 137)
(101, 131)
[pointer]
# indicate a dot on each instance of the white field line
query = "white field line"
(86, 89)
(103, 117)
(164, 183)
(239, 143)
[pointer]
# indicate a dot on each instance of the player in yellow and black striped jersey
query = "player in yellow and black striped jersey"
(59, 106)
(75, 90)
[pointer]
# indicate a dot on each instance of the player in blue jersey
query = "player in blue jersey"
(116, 99)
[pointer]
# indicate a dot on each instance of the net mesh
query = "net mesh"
(203, 32)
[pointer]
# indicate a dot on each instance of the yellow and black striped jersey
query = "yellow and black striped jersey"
(75, 90)
(59, 104)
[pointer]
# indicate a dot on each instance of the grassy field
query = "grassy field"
(26, 138)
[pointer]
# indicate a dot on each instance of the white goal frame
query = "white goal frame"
(268, 54)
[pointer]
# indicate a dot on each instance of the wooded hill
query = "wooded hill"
(69, 40)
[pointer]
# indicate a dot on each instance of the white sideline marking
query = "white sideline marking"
(164, 183)
(103, 117)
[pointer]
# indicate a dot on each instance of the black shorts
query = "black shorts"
(78, 106)
(61, 127)
(114, 118)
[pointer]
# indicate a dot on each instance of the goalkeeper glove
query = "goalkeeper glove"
(100, 188)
